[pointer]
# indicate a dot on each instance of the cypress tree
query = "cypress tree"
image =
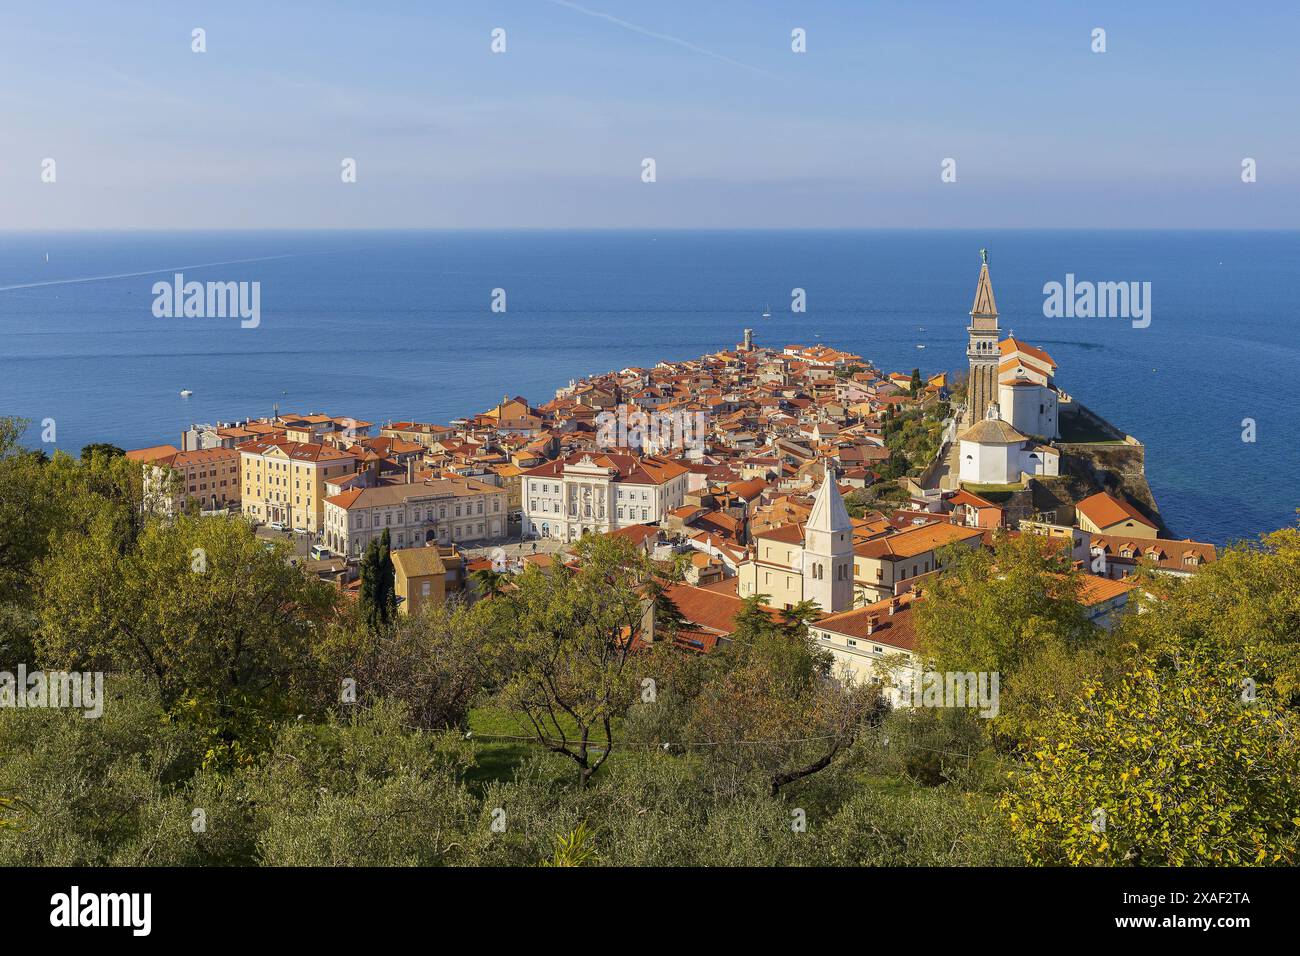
(378, 583)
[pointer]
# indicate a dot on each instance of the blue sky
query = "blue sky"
(745, 133)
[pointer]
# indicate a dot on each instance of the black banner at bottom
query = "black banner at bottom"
(331, 905)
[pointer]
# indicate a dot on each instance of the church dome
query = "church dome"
(992, 431)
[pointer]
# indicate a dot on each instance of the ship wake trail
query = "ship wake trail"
(146, 272)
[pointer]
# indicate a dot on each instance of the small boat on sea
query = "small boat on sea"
(767, 313)
(186, 393)
(920, 346)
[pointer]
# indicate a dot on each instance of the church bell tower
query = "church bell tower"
(828, 549)
(982, 348)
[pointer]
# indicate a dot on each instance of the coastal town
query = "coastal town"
(799, 473)
(536, 438)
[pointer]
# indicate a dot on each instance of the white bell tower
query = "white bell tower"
(828, 549)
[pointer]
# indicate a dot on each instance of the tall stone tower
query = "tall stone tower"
(982, 349)
(828, 549)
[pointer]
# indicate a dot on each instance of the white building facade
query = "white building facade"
(596, 492)
(446, 511)
(994, 452)
(1027, 393)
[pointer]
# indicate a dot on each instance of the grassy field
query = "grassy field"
(993, 493)
(504, 739)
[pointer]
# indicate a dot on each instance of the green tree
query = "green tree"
(1177, 764)
(774, 715)
(41, 500)
(378, 584)
(364, 790)
(489, 582)
(433, 663)
(941, 826)
(1013, 611)
(100, 448)
(117, 790)
(220, 625)
(565, 640)
(796, 617)
(1248, 600)
(895, 467)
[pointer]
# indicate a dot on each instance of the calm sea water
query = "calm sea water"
(397, 325)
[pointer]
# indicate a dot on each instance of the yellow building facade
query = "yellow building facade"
(284, 482)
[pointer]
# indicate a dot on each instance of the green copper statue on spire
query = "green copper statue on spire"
(984, 255)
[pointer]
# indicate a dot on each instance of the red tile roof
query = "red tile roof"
(1104, 510)
(894, 630)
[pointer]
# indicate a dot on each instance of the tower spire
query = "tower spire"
(985, 306)
(982, 348)
(828, 549)
(828, 511)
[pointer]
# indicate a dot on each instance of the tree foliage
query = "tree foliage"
(1173, 765)
(224, 738)
(1013, 611)
(217, 622)
(378, 583)
(565, 639)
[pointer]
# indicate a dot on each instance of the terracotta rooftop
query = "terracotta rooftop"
(1103, 510)
(915, 541)
(1094, 590)
(992, 431)
(1009, 345)
(897, 630)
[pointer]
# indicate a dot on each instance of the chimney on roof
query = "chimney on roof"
(893, 605)
(410, 471)
(873, 621)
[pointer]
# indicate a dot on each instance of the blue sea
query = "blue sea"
(398, 325)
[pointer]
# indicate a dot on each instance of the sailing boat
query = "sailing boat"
(767, 313)
(47, 258)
